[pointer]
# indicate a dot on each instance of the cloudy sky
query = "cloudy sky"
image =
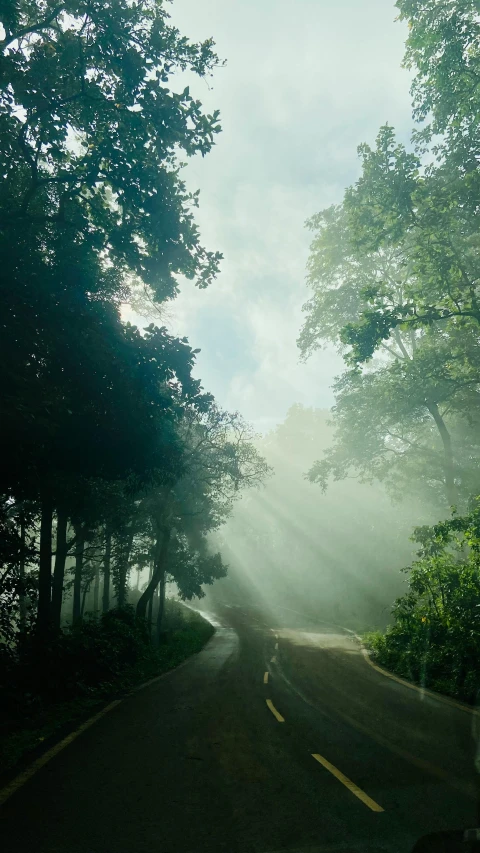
(305, 83)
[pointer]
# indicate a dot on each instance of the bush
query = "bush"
(435, 639)
(75, 662)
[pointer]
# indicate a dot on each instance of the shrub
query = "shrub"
(435, 638)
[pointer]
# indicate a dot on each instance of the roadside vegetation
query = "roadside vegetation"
(394, 276)
(435, 638)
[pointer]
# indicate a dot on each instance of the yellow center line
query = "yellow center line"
(274, 711)
(265, 678)
(273, 660)
(348, 783)
(276, 646)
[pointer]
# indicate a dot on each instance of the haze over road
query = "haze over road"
(277, 736)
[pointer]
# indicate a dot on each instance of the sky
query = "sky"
(305, 83)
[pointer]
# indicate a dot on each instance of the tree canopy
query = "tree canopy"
(103, 420)
(393, 273)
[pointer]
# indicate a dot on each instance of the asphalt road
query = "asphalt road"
(199, 761)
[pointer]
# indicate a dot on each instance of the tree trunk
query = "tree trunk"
(106, 571)
(161, 550)
(86, 590)
(45, 568)
(59, 568)
(22, 597)
(161, 605)
(150, 602)
(123, 572)
(449, 467)
(96, 589)
(77, 578)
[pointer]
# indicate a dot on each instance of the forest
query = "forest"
(115, 457)
(120, 471)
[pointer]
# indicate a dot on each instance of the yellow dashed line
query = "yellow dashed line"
(265, 678)
(273, 660)
(274, 711)
(276, 646)
(348, 783)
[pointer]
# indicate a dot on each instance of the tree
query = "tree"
(220, 460)
(341, 278)
(90, 134)
(434, 639)
(404, 424)
(394, 275)
(411, 415)
(442, 48)
(17, 554)
(91, 203)
(425, 212)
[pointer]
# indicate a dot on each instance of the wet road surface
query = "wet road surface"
(277, 736)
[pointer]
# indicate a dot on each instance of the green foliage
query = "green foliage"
(411, 417)
(192, 568)
(15, 584)
(114, 457)
(396, 423)
(91, 203)
(443, 51)
(426, 214)
(97, 413)
(90, 133)
(342, 279)
(435, 638)
(394, 278)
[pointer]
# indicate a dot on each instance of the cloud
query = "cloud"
(305, 83)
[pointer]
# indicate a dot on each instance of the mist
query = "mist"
(336, 556)
(240, 424)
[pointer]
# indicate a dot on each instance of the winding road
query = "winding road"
(278, 736)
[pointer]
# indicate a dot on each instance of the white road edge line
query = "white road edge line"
(461, 706)
(18, 781)
(424, 691)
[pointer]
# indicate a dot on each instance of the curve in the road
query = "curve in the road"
(351, 786)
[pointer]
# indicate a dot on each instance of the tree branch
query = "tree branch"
(32, 28)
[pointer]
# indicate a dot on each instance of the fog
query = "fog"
(336, 556)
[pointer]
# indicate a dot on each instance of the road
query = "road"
(218, 756)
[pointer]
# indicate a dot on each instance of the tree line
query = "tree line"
(114, 458)
(395, 285)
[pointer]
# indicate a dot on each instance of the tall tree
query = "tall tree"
(411, 415)
(91, 203)
(219, 460)
(427, 213)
